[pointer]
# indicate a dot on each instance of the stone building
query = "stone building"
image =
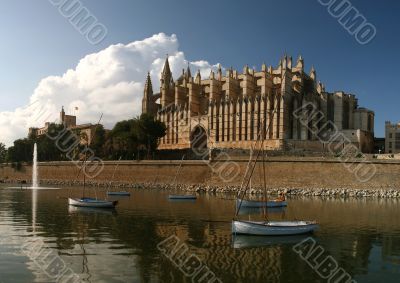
(232, 110)
(392, 137)
(85, 131)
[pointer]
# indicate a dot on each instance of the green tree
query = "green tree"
(148, 132)
(54, 146)
(129, 136)
(122, 140)
(21, 151)
(3, 153)
(98, 141)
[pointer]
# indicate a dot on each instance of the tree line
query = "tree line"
(137, 138)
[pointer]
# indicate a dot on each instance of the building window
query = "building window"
(390, 136)
(397, 141)
(390, 144)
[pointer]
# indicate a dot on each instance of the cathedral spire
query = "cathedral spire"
(188, 72)
(263, 67)
(313, 73)
(246, 70)
(284, 62)
(166, 75)
(167, 69)
(198, 77)
(219, 72)
(148, 87)
(212, 76)
(300, 62)
(147, 94)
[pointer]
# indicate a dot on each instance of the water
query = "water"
(363, 236)
(35, 183)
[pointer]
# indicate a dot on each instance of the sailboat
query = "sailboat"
(266, 227)
(90, 202)
(85, 201)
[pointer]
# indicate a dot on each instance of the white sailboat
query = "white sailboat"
(85, 201)
(90, 202)
(266, 227)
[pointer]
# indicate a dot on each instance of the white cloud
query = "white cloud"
(110, 82)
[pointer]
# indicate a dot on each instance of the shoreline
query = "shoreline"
(385, 193)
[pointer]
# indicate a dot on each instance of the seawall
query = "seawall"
(281, 173)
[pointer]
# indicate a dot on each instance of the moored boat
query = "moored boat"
(127, 194)
(273, 228)
(91, 202)
(182, 197)
(265, 227)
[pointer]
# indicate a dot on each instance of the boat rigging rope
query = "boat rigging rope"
(250, 167)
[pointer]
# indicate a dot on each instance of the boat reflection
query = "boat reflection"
(248, 241)
(91, 210)
(182, 200)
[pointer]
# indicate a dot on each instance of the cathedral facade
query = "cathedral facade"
(232, 111)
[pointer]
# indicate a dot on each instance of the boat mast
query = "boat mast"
(265, 197)
(259, 144)
(84, 178)
(115, 169)
(177, 173)
(92, 136)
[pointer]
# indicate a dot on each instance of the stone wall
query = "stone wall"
(281, 172)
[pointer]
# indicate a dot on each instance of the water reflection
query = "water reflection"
(105, 246)
(248, 241)
(91, 210)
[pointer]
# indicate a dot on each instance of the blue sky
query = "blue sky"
(38, 42)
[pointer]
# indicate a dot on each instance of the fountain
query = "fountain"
(35, 183)
(35, 177)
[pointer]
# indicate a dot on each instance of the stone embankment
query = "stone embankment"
(212, 189)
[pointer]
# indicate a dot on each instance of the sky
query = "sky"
(45, 60)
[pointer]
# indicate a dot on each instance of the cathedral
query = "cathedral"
(231, 111)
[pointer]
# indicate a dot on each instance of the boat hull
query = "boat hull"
(273, 228)
(182, 197)
(127, 194)
(260, 204)
(86, 202)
